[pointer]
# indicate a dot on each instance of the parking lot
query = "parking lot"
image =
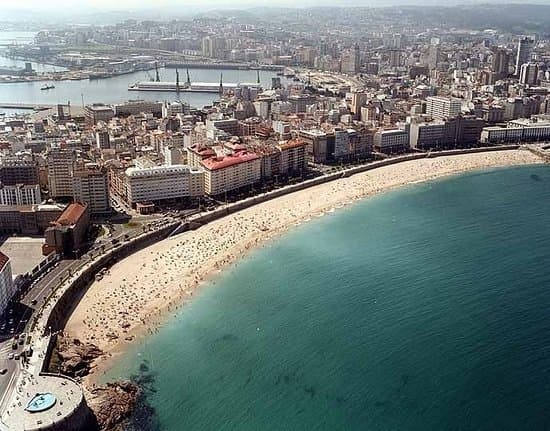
(25, 252)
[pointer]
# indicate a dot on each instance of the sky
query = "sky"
(99, 5)
(17, 8)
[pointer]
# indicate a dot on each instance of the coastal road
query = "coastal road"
(35, 298)
(7, 381)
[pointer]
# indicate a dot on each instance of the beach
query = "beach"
(134, 296)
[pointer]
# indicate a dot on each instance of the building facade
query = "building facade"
(162, 183)
(443, 107)
(391, 141)
(91, 186)
(232, 172)
(60, 172)
(7, 286)
(20, 194)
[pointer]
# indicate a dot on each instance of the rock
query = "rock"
(76, 357)
(113, 403)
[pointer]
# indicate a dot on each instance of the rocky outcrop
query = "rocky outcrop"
(113, 403)
(75, 358)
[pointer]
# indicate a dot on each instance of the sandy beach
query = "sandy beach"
(136, 293)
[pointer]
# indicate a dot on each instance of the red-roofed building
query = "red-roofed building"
(67, 233)
(7, 286)
(230, 172)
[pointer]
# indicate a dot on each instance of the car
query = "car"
(10, 356)
(3, 371)
(16, 357)
(33, 302)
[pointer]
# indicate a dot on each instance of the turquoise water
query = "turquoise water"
(426, 308)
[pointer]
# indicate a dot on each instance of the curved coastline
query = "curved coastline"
(132, 300)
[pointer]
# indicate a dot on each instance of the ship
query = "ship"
(195, 87)
(47, 87)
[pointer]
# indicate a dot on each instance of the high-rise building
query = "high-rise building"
(14, 171)
(434, 53)
(358, 100)
(91, 186)
(350, 60)
(523, 54)
(102, 139)
(529, 74)
(213, 46)
(395, 58)
(443, 107)
(7, 286)
(501, 63)
(60, 172)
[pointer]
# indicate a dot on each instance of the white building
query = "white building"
(20, 194)
(443, 107)
(7, 287)
(520, 130)
(162, 183)
(391, 141)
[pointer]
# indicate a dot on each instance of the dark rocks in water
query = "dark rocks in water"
(113, 403)
(75, 358)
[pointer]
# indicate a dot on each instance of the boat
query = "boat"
(47, 87)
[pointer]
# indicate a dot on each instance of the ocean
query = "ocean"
(423, 308)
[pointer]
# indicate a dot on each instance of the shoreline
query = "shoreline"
(114, 313)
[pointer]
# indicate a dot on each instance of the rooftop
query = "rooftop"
(293, 143)
(71, 215)
(227, 161)
(158, 170)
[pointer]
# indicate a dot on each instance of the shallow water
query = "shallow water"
(422, 308)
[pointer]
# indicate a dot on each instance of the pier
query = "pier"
(210, 65)
(26, 106)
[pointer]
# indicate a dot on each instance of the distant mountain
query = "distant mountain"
(474, 14)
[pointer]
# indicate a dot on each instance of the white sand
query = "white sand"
(136, 293)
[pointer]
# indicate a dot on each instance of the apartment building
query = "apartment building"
(230, 172)
(162, 183)
(391, 141)
(443, 107)
(91, 186)
(60, 172)
(15, 170)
